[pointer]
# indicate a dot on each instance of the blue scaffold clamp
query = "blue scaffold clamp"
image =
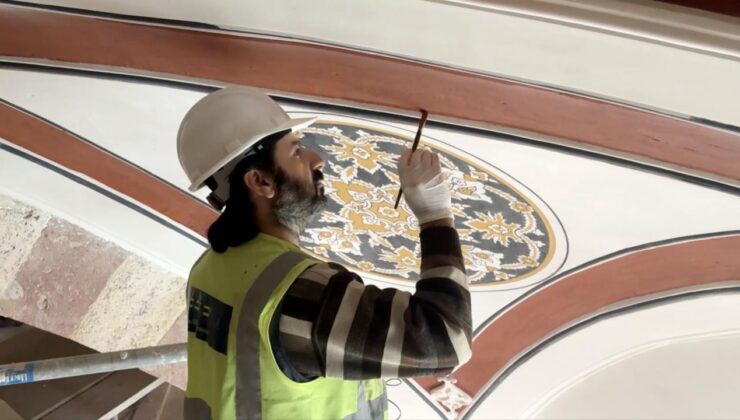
(16, 374)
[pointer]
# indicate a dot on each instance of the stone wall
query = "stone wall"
(61, 278)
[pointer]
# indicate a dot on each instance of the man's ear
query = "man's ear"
(260, 183)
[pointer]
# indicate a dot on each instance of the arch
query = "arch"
(628, 278)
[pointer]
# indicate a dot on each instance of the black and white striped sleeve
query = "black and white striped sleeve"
(333, 325)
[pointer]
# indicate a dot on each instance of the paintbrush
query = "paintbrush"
(413, 147)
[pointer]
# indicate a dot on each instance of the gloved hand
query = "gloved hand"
(424, 189)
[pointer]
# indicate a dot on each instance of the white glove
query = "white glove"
(424, 188)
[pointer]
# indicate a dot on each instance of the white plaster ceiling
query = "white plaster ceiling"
(603, 207)
(683, 366)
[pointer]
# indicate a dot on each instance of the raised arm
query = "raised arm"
(331, 324)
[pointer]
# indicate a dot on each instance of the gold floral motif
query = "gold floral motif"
(366, 266)
(500, 231)
(479, 261)
(336, 239)
(403, 258)
(495, 227)
(520, 207)
(360, 150)
(527, 261)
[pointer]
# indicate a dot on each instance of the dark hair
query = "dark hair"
(236, 224)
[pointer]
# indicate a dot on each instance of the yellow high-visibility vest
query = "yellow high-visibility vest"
(232, 372)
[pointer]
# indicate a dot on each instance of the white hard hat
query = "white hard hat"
(223, 127)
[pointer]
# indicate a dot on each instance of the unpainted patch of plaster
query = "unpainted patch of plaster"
(137, 307)
(20, 228)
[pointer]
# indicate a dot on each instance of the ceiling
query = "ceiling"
(593, 149)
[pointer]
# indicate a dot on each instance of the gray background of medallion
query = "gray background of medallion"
(320, 142)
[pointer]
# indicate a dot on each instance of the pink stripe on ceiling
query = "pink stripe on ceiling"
(637, 275)
(58, 146)
(377, 81)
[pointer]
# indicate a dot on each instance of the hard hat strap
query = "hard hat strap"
(219, 182)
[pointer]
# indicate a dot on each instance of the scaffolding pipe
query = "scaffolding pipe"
(89, 364)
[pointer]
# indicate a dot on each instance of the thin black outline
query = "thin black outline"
(588, 264)
(586, 323)
(115, 197)
(205, 87)
(111, 15)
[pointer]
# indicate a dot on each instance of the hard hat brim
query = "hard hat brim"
(292, 124)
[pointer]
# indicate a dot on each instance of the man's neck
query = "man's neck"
(280, 232)
(268, 224)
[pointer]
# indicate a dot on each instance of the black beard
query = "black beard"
(296, 202)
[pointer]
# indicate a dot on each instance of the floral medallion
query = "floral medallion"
(506, 236)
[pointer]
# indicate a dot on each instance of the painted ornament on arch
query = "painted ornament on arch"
(507, 235)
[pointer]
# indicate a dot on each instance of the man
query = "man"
(275, 334)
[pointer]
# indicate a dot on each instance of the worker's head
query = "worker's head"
(242, 145)
(280, 185)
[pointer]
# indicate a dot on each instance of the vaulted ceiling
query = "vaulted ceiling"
(593, 149)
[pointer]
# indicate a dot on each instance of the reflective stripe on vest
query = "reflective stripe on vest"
(245, 382)
(248, 396)
(373, 409)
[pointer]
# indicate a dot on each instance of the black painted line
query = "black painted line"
(56, 69)
(586, 323)
(115, 197)
(490, 134)
(596, 261)
(111, 15)
(715, 124)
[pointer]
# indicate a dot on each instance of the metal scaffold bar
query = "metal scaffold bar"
(65, 367)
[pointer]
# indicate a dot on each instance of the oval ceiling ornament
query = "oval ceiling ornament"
(510, 238)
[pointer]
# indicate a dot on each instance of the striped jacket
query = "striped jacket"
(331, 324)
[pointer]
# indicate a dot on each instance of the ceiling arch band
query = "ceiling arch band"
(644, 274)
(373, 81)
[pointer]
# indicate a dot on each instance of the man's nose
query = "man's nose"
(317, 162)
